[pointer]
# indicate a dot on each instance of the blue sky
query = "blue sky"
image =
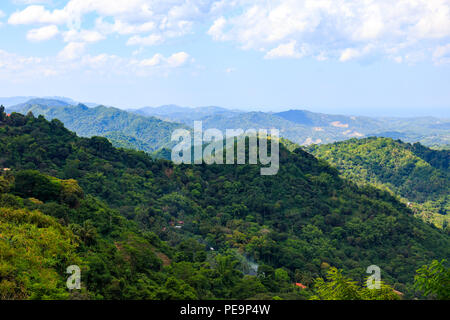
(343, 56)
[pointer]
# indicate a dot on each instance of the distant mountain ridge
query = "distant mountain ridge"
(305, 127)
(41, 102)
(300, 126)
(184, 115)
(14, 101)
(122, 128)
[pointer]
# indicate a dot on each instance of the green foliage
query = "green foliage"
(30, 183)
(419, 175)
(339, 287)
(434, 280)
(305, 127)
(148, 229)
(123, 129)
(34, 252)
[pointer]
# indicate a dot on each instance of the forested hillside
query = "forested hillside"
(144, 228)
(149, 129)
(122, 128)
(305, 127)
(418, 174)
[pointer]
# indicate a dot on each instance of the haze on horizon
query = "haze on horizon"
(378, 58)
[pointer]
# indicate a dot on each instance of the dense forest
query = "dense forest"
(141, 228)
(419, 175)
(141, 130)
(123, 129)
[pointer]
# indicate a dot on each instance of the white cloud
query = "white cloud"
(177, 59)
(122, 27)
(286, 50)
(15, 68)
(71, 60)
(442, 54)
(153, 61)
(174, 61)
(349, 54)
(149, 40)
(352, 53)
(42, 34)
(72, 50)
(216, 30)
(342, 29)
(82, 36)
(38, 15)
(164, 19)
(401, 30)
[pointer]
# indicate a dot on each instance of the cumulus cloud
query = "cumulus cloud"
(343, 29)
(122, 27)
(286, 50)
(74, 60)
(14, 67)
(38, 15)
(352, 53)
(442, 54)
(72, 50)
(149, 40)
(162, 19)
(177, 59)
(174, 61)
(42, 34)
(216, 30)
(82, 36)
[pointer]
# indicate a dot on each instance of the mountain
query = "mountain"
(300, 126)
(420, 175)
(184, 115)
(124, 129)
(141, 228)
(38, 102)
(12, 101)
(313, 119)
(305, 127)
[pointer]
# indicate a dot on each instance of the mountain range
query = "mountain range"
(123, 129)
(12, 101)
(141, 228)
(139, 129)
(418, 175)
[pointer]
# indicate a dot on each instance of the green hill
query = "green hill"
(305, 127)
(418, 174)
(147, 229)
(122, 128)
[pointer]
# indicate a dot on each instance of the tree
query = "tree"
(339, 287)
(31, 183)
(2, 113)
(4, 185)
(434, 280)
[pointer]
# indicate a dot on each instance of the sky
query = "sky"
(381, 57)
